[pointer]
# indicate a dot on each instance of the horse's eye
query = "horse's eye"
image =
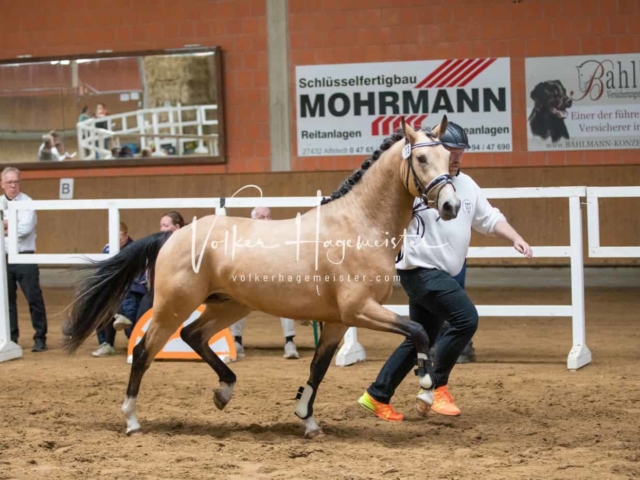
(422, 158)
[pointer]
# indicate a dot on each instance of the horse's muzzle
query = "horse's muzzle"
(449, 210)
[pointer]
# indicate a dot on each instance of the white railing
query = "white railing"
(593, 222)
(579, 355)
(164, 125)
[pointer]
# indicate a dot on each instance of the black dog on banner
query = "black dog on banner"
(550, 110)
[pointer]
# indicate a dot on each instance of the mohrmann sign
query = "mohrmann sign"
(350, 109)
(583, 102)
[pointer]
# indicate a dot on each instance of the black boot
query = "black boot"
(39, 345)
(468, 355)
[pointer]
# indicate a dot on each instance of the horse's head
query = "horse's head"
(427, 173)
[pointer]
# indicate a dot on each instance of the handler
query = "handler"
(433, 254)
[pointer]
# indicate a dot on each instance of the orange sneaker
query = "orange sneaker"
(383, 410)
(443, 402)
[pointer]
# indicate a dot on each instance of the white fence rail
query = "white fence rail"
(579, 355)
(160, 126)
(351, 351)
(593, 222)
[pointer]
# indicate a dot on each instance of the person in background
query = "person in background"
(48, 149)
(25, 275)
(125, 152)
(128, 308)
(169, 222)
(52, 148)
(84, 115)
(101, 112)
(62, 154)
(288, 329)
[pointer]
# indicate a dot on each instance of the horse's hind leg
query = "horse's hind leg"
(168, 315)
(330, 338)
(216, 317)
(374, 316)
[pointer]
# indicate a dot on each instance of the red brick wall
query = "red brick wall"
(352, 31)
(64, 27)
(328, 31)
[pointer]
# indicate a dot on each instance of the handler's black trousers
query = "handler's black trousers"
(28, 277)
(434, 296)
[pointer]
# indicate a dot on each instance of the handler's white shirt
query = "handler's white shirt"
(445, 243)
(27, 221)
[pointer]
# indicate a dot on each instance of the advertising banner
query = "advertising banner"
(589, 102)
(350, 109)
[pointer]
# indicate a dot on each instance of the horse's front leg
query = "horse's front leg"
(330, 338)
(370, 314)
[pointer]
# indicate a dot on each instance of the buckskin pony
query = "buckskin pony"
(344, 250)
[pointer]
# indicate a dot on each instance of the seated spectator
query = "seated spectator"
(45, 152)
(125, 152)
(128, 308)
(52, 148)
(115, 153)
(59, 147)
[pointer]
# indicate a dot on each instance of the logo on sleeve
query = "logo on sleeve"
(466, 204)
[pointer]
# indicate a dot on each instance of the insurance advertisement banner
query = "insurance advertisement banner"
(587, 102)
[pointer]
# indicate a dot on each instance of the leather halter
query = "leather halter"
(437, 183)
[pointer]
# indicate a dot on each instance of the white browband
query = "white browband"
(425, 144)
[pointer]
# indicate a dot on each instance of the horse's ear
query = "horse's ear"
(441, 128)
(409, 132)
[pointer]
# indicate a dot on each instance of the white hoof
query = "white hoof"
(424, 400)
(314, 434)
(223, 395)
(129, 411)
(312, 429)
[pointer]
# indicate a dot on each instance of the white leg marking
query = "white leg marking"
(302, 409)
(129, 410)
(223, 395)
(312, 429)
(426, 396)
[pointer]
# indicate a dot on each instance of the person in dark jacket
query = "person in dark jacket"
(126, 315)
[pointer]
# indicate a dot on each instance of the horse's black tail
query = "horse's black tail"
(98, 296)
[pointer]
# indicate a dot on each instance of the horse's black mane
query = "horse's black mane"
(357, 175)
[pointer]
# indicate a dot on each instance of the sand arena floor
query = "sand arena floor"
(524, 415)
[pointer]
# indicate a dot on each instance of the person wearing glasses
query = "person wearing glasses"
(25, 275)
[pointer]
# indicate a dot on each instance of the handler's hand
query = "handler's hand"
(523, 247)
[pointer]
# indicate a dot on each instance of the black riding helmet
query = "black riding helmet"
(455, 137)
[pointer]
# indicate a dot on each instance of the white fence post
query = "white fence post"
(580, 355)
(351, 351)
(200, 115)
(8, 349)
(114, 230)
